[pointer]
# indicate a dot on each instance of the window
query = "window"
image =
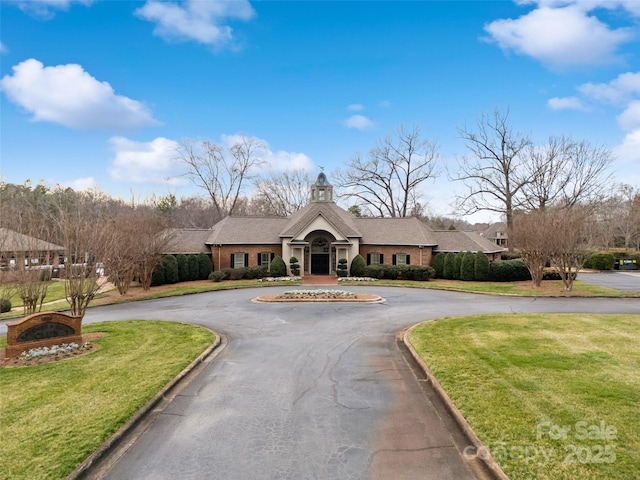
(401, 259)
(375, 258)
(239, 260)
(264, 259)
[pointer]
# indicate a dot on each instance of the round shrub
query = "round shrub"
(438, 264)
(481, 267)
(217, 276)
(278, 267)
(509, 271)
(205, 267)
(601, 261)
(466, 269)
(5, 305)
(357, 266)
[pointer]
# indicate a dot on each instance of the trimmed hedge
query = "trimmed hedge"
(245, 273)
(170, 269)
(509, 271)
(183, 267)
(394, 272)
(437, 262)
(449, 265)
(205, 266)
(481, 267)
(457, 265)
(600, 261)
(157, 277)
(192, 260)
(467, 271)
(294, 266)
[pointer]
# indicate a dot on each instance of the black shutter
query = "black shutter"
(381, 258)
(246, 259)
(272, 256)
(232, 265)
(408, 259)
(368, 259)
(259, 259)
(393, 260)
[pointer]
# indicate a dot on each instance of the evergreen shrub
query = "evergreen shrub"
(278, 267)
(357, 266)
(438, 264)
(205, 266)
(5, 305)
(170, 269)
(481, 267)
(183, 267)
(467, 272)
(192, 260)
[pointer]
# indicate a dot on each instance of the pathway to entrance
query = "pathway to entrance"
(320, 280)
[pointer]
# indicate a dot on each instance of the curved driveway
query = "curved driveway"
(311, 391)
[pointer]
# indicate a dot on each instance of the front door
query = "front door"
(320, 264)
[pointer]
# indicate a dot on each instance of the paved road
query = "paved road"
(311, 391)
(625, 280)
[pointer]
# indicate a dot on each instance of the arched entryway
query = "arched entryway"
(320, 253)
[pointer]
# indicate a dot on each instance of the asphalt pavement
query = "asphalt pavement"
(311, 391)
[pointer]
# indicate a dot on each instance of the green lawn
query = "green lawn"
(54, 415)
(551, 396)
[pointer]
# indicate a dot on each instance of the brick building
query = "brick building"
(320, 234)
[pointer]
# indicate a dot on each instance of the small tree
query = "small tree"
(466, 269)
(481, 267)
(294, 266)
(278, 267)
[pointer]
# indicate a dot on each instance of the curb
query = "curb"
(487, 459)
(85, 469)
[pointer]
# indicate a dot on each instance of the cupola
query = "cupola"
(322, 191)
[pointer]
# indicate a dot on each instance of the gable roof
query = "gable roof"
(246, 231)
(494, 229)
(395, 231)
(342, 220)
(461, 241)
(11, 241)
(187, 240)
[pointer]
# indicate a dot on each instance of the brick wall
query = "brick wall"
(388, 251)
(221, 256)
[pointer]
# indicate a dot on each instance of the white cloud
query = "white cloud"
(355, 107)
(629, 119)
(3, 48)
(560, 37)
(629, 151)
(359, 122)
(145, 162)
(46, 9)
(280, 160)
(625, 87)
(197, 20)
(68, 95)
(565, 103)
(82, 184)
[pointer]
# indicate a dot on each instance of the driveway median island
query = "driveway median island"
(319, 295)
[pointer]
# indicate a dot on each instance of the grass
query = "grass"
(548, 288)
(56, 414)
(514, 377)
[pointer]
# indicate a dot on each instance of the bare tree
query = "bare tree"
(494, 173)
(564, 173)
(282, 194)
(569, 249)
(531, 232)
(387, 183)
(222, 171)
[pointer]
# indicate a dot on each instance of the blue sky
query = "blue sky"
(97, 93)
